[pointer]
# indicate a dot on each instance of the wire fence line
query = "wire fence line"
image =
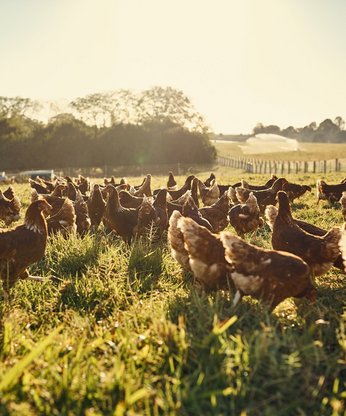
(283, 166)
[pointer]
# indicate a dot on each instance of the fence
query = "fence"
(283, 166)
(127, 170)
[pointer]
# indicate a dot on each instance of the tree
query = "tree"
(290, 132)
(92, 109)
(123, 106)
(259, 128)
(154, 142)
(327, 130)
(271, 129)
(108, 108)
(66, 141)
(339, 122)
(18, 106)
(168, 104)
(308, 133)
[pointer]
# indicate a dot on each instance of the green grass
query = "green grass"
(121, 331)
(306, 152)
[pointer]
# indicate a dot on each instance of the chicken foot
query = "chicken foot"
(237, 297)
(26, 275)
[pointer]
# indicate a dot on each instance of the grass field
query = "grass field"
(306, 152)
(122, 331)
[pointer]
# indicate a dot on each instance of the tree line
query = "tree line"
(157, 126)
(328, 131)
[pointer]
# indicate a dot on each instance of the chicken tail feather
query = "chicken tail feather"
(176, 240)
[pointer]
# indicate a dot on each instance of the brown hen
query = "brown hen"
(208, 195)
(9, 193)
(294, 190)
(171, 207)
(145, 188)
(83, 222)
(39, 186)
(71, 191)
(130, 201)
(209, 180)
(332, 193)
(64, 221)
(232, 195)
(264, 197)
(176, 241)
(160, 205)
(23, 245)
(122, 221)
(110, 181)
(268, 275)
(319, 252)
(147, 219)
(83, 184)
(55, 201)
(271, 213)
(222, 188)
(206, 256)
(267, 185)
(171, 183)
(194, 191)
(245, 218)
(182, 199)
(9, 208)
(217, 213)
(179, 192)
(190, 210)
(96, 206)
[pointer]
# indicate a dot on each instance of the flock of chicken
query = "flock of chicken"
(218, 259)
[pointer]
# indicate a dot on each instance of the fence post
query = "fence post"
(324, 166)
(336, 164)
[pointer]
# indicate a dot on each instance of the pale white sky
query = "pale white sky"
(241, 62)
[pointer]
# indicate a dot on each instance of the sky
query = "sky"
(240, 62)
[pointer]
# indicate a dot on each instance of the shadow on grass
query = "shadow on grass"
(145, 265)
(299, 205)
(71, 256)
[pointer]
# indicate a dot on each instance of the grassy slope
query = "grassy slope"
(306, 152)
(123, 331)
